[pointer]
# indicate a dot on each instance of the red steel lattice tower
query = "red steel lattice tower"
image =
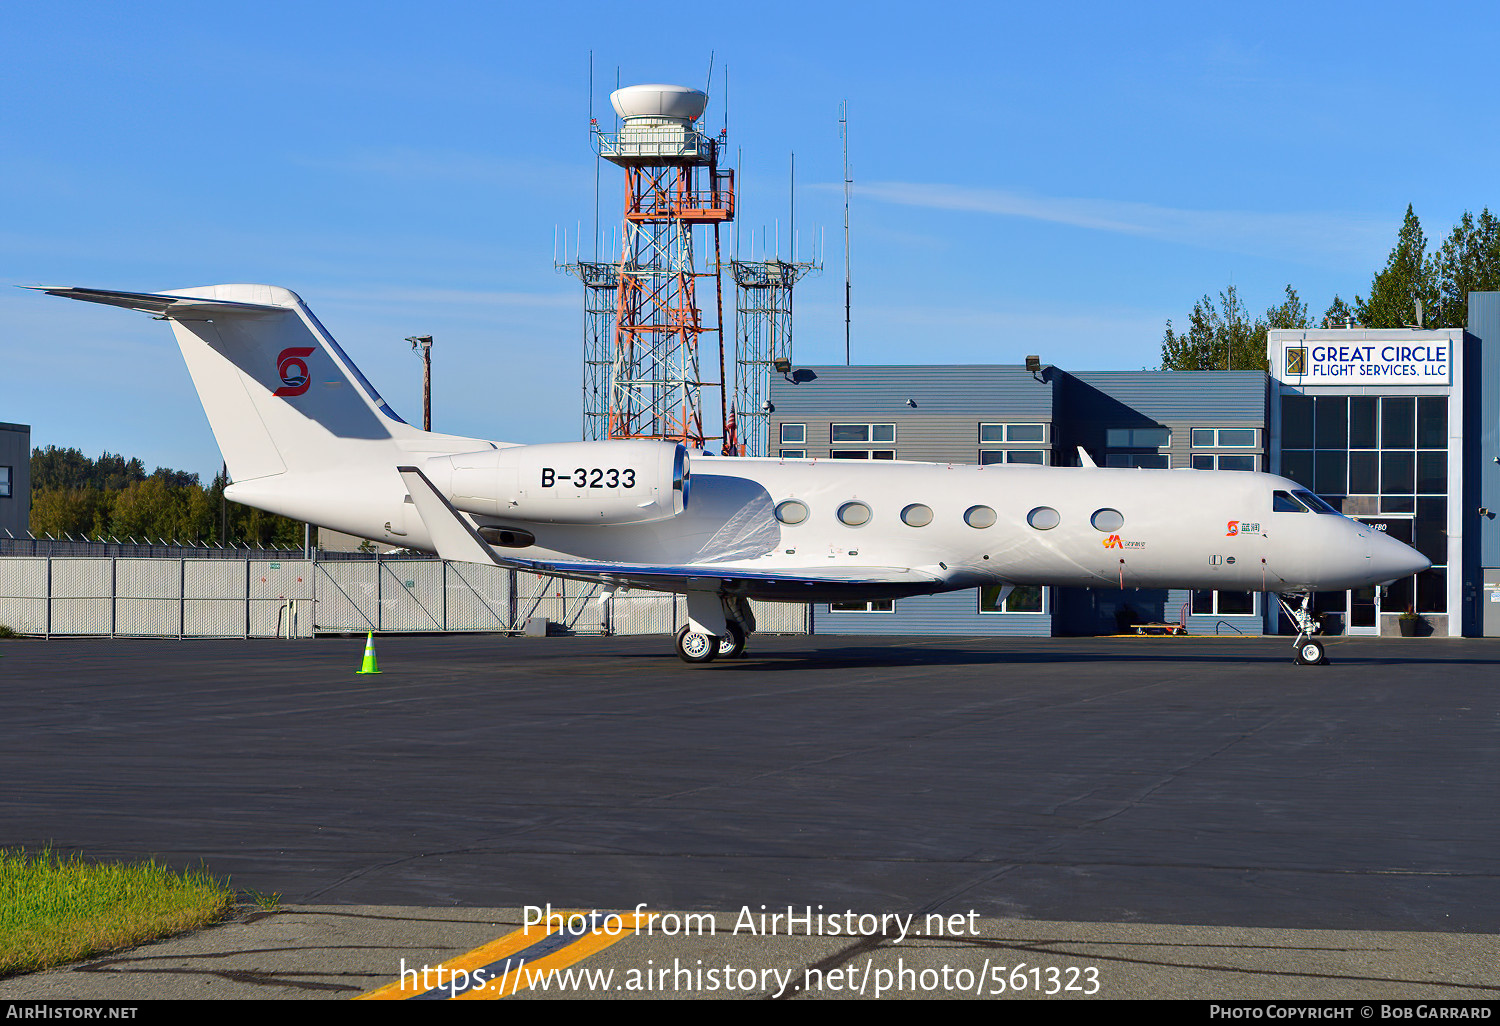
(673, 187)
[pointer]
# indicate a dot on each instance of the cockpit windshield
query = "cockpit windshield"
(1282, 502)
(1318, 505)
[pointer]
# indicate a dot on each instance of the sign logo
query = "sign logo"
(1234, 529)
(292, 366)
(1113, 542)
(1425, 362)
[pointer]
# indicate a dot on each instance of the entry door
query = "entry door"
(1365, 603)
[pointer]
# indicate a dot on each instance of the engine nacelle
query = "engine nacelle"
(625, 482)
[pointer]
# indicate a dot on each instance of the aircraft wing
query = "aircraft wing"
(156, 303)
(455, 539)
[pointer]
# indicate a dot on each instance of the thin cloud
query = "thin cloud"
(1316, 236)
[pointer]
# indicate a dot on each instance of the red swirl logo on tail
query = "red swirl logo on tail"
(292, 366)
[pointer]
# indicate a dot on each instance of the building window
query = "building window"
(793, 434)
(1012, 432)
(1036, 457)
(1137, 438)
(861, 433)
(1023, 598)
(1223, 603)
(794, 454)
(1223, 461)
(1224, 438)
(1391, 452)
(862, 454)
(1142, 460)
(873, 606)
(4, 482)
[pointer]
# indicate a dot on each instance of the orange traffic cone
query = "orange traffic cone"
(369, 665)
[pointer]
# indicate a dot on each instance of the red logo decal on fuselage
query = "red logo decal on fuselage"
(1234, 529)
(1113, 542)
(292, 366)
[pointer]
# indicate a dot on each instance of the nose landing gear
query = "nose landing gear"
(1306, 650)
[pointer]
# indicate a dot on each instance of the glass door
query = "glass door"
(1367, 603)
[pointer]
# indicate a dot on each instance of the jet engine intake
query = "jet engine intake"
(624, 482)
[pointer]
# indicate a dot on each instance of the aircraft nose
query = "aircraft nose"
(1391, 559)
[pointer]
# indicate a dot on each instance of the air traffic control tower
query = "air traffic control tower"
(674, 186)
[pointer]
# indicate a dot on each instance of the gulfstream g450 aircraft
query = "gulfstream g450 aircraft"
(305, 435)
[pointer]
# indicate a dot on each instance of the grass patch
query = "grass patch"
(56, 909)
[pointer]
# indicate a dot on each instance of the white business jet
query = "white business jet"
(305, 435)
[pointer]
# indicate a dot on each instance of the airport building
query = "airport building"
(15, 479)
(1397, 428)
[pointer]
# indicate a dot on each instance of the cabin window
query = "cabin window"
(916, 515)
(1107, 520)
(854, 514)
(1044, 518)
(979, 517)
(792, 511)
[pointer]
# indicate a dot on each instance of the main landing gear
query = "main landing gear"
(695, 645)
(1307, 650)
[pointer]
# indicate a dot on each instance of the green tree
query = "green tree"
(1408, 278)
(1468, 261)
(1338, 314)
(1223, 336)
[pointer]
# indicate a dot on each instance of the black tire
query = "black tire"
(696, 648)
(1310, 653)
(732, 646)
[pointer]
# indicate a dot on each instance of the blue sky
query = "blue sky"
(1057, 181)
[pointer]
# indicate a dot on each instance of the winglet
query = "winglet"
(452, 535)
(1084, 459)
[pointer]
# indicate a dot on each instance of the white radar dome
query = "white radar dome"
(659, 101)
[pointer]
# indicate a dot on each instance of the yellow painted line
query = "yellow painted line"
(518, 977)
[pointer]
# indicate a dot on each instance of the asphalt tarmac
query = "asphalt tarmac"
(1148, 784)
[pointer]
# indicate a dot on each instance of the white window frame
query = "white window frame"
(1215, 456)
(1005, 457)
(1254, 442)
(869, 438)
(1044, 611)
(801, 431)
(794, 454)
(1254, 603)
(866, 607)
(860, 454)
(1005, 433)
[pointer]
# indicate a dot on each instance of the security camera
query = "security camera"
(912, 403)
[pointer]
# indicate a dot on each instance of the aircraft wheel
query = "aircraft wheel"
(1310, 653)
(693, 647)
(733, 646)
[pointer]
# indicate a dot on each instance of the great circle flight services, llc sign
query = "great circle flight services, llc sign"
(1371, 363)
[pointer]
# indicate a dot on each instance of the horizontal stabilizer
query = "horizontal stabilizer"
(451, 532)
(163, 305)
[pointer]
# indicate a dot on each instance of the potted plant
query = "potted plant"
(1410, 622)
